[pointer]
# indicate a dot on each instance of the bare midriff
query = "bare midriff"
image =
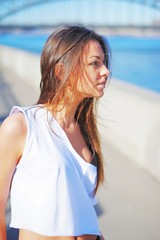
(28, 235)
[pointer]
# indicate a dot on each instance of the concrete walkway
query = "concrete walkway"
(7, 99)
(130, 200)
(129, 204)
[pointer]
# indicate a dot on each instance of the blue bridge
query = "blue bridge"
(84, 11)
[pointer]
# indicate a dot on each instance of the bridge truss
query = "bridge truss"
(10, 7)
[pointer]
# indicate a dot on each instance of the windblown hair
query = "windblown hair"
(66, 48)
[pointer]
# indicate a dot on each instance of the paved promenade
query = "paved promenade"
(7, 99)
(129, 203)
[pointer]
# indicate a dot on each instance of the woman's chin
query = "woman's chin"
(100, 94)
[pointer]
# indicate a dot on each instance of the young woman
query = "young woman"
(50, 153)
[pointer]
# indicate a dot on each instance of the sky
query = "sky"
(101, 12)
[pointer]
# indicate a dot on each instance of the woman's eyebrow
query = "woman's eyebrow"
(98, 57)
(95, 57)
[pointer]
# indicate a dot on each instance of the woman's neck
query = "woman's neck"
(65, 111)
(65, 115)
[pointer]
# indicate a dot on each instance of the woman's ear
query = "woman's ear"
(59, 70)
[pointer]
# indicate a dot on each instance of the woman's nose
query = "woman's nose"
(104, 71)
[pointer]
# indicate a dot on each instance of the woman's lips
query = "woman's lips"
(102, 83)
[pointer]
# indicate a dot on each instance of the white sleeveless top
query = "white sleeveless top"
(51, 191)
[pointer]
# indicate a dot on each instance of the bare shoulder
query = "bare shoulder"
(12, 139)
(14, 125)
(13, 133)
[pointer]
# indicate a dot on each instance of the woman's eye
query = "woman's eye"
(95, 63)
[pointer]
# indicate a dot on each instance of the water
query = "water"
(137, 61)
(134, 60)
(33, 43)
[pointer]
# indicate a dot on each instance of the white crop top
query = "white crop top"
(51, 190)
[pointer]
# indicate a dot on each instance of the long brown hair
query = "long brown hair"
(66, 46)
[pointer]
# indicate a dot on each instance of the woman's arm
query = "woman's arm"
(12, 140)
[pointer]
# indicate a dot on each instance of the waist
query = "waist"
(25, 235)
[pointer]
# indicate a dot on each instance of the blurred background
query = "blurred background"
(129, 112)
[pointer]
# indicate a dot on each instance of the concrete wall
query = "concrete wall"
(23, 64)
(129, 117)
(132, 123)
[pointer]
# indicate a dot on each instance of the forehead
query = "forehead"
(93, 48)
